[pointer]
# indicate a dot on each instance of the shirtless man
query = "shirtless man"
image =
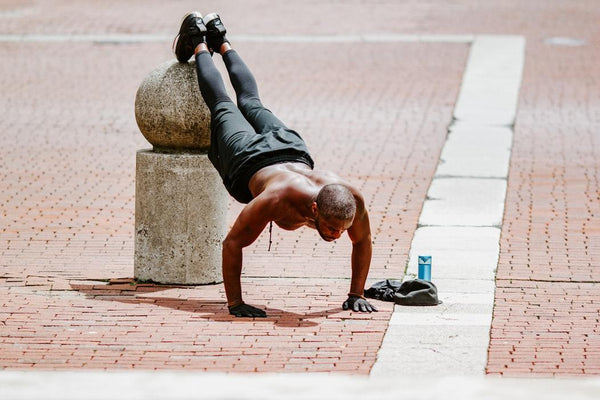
(266, 165)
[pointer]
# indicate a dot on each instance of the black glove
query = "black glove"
(246, 310)
(356, 303)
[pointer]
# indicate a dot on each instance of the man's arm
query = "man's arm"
(245, 230)
(362, 250)
(360, 235)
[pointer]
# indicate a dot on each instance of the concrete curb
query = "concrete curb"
(147, 385)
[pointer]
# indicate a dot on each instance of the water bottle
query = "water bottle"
(425, 268)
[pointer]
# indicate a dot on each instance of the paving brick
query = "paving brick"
(66, 204)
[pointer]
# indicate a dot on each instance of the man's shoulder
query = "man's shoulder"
(291, 188)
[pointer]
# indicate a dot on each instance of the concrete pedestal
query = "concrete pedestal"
(170, 111)
(180, 218)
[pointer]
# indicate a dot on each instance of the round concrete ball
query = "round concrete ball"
(170, 111)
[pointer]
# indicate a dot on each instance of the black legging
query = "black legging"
(246, 137)
(248, 101)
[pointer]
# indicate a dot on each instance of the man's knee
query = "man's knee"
(249, 105)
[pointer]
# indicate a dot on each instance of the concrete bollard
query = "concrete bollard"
(181, 204)
(179, 218)
(170, 111)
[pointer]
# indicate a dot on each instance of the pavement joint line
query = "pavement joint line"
(420, 225)
(302, 38)
(331, 278)
(444, 319)
(544, 280)
(470, 177)
(495, 65)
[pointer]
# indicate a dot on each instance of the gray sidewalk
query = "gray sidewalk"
(130, 385)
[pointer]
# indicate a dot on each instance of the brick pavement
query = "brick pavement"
(546, 313)
(67, 213)
(546, 319)
(66, 239)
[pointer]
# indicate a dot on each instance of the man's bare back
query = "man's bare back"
(293, 187)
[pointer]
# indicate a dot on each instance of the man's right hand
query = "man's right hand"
(246, 310)
(358, 304)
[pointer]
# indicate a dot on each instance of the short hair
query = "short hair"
(337, 201)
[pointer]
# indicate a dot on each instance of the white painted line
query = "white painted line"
(419, 355)
(457, 252)
(565, 41)
(466, 238)
(368, 38)
(486, 299)
(464, 202)
(491, 83)
(145, 38)
(97, 38)
(476, 151)
(460, 224)
(445, 319)
(473, 285)
(461, 264)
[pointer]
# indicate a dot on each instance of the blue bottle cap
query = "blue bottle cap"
(424, 259)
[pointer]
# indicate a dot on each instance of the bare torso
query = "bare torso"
(295, 186)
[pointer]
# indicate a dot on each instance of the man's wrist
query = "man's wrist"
(352, 294)
(235, 304)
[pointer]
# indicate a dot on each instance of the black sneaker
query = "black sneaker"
(191, 34)
(215, 36)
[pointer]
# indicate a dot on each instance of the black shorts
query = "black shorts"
(237, 151)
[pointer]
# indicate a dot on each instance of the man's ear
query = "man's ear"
(315, 209)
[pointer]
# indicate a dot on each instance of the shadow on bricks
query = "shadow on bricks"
(212, 310)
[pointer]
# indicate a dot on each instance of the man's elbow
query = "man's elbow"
(363, 241)
(232, 246)
(229, 244)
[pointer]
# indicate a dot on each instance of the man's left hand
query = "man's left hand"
(357, 304)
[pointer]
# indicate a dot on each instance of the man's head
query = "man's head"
(334, 210)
